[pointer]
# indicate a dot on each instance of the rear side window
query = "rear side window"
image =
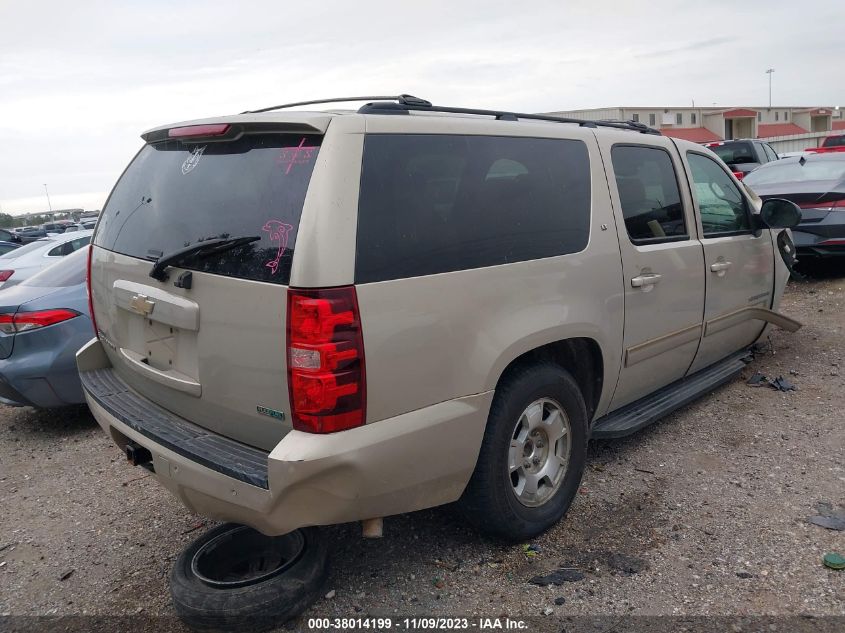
(834, 141)
(735, 153)
(770, 153)
(438, 203)
(649, 194)
(176, 194)
(69, 247)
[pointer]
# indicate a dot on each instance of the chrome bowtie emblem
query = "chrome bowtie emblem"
(142, 304)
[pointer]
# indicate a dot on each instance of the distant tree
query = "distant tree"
(6, 220)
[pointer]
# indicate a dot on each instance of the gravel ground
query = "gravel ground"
(701, 514)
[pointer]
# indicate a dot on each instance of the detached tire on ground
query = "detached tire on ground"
(532, 456)
(235, 578)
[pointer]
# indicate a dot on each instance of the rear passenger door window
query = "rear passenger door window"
(435, 203)
(721, 204)
(649, 194)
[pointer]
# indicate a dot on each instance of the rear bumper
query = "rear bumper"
(40, 380)
(822, 238)
(413, 461)
(822, 251)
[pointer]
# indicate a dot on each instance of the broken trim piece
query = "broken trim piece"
(730, 319)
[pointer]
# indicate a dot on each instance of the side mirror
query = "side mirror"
(777, 213)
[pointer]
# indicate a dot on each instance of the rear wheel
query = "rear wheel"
(532, 456)
(235, 578)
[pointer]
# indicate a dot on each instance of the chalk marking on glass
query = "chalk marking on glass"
(279, 232)
(299, 155)
(193, 160)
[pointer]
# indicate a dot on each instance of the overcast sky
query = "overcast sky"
(80, 81)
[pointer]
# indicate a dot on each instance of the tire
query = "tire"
(247, 605)
(492, 501)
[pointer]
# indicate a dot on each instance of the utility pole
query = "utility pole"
(769, 73)
(48, 198)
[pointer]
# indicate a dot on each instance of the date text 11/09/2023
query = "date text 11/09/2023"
(417, 624)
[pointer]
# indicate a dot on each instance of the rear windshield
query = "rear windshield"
(438, 203)
(735, 153)
(834, 141)
(791, 170)
(68, 271)
(175, 194)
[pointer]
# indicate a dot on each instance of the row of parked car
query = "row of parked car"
(814, 179)
(43, 320)
(12, 238)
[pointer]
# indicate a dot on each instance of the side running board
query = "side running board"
(632, 417)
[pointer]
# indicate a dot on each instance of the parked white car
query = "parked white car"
(22, 263)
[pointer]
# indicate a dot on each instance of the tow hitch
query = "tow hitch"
(137, 455)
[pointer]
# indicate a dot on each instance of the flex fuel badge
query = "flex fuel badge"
(270, 412)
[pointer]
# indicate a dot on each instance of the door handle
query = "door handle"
(643, 281)
(719, 267)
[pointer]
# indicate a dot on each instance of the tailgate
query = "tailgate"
(208, 342)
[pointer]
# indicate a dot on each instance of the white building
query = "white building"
(783, 127)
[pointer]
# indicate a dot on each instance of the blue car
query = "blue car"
(43, 322)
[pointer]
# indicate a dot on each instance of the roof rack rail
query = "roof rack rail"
(401, 99)
(501, 115)
(402, 104)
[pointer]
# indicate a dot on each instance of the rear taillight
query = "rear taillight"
(739, 175)
(823, 206)
(26, 321)
(5, 274)
(88, 291)
(325, 355)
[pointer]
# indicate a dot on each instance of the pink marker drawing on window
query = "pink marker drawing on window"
(298, 155)
(279, 232)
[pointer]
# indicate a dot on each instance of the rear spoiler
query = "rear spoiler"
(233, 127)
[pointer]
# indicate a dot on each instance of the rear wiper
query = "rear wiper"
(200, 249)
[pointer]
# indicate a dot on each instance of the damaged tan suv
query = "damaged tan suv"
(308, 318)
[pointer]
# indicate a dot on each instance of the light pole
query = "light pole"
(769, 73)
(48, 198)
